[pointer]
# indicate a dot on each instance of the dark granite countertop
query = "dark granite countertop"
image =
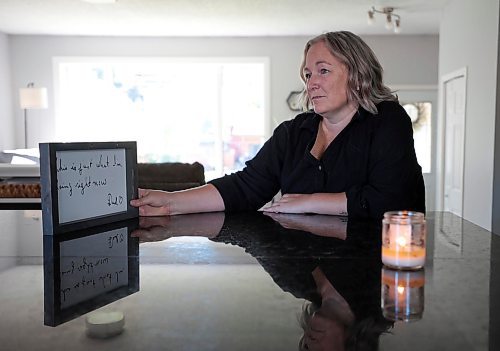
(246, 282)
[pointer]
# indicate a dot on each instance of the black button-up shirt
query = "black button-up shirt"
(372, 160)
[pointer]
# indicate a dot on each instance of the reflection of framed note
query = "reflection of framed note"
(87, 269)
(86, 184)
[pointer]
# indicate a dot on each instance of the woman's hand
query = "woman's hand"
(205, 198)
(153, 202)
(291, 203)
(321, 203)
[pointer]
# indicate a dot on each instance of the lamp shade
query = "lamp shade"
(33, 98)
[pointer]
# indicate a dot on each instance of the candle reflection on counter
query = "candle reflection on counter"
(402, 294)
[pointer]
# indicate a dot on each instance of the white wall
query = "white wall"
(6, 117)
(407, 60)
(469, 38)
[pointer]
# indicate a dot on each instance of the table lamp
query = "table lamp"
(31, 98)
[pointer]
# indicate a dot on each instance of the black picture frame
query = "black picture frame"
(49, 186)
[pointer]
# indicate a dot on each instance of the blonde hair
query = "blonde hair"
(363, 335)
(364, 83)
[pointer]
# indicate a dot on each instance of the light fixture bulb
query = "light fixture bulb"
(371, 17)
(388, 23)
(397, 26)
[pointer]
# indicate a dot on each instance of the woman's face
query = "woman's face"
(326, 82)
(324, 333)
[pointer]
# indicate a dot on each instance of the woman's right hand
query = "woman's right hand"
(205, 198)
(153, 202)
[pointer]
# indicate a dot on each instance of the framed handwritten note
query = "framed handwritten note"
(86, 184)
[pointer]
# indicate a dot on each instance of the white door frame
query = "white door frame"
(440, 159)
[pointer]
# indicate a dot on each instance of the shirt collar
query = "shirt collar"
(362, 114)
(312, 119)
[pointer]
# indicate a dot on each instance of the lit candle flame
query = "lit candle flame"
(401, 241)
(401, 290)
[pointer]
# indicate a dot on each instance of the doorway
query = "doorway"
(453, 87)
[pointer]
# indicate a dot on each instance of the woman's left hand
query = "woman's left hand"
(291, 203)
(321, 203)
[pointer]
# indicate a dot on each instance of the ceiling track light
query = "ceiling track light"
(392, 20)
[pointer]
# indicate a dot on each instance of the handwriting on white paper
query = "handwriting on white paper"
(90, 183)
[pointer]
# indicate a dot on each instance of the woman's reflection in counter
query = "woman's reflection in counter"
(326, 325)
(336, 270)
(322, 225)
(163, 227)
(328, 320)
(331, 263)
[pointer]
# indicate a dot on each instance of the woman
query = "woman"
(353, 154)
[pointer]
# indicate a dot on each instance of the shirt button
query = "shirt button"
(319, 167)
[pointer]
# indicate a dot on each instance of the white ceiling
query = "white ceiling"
(213, 17)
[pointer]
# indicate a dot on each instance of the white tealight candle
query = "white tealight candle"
(104, 324)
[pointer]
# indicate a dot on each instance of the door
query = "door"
(454, 92)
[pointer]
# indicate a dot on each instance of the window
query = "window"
(420, 114)
(178, 110)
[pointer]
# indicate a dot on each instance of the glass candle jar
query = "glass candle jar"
(403, 240)
(402, 294)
